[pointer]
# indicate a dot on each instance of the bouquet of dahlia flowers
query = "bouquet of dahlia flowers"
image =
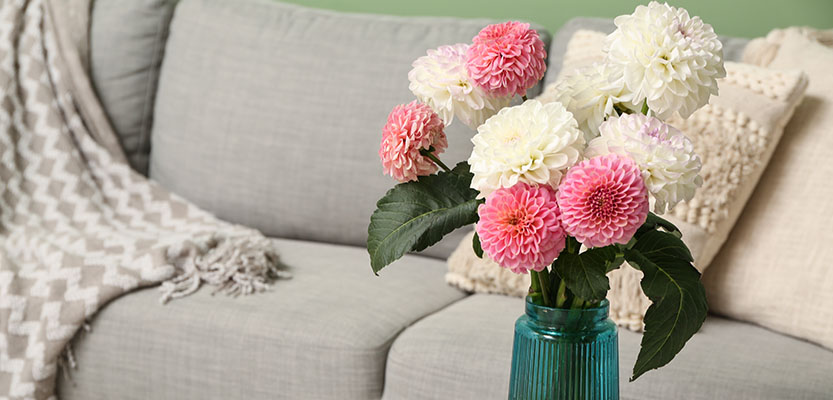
(565, 191)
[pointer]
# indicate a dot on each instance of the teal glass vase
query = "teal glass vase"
(565, 354)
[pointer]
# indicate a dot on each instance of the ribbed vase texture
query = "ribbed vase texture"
(562, 354)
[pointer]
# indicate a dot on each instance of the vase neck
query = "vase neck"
(565, 319)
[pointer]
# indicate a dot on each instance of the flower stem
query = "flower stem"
(645, 107)
(535, 288)
(573, 246)
(561, 295)
(577, 302)
(430, 154)
(544, 281)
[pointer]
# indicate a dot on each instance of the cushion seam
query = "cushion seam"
(150, 87)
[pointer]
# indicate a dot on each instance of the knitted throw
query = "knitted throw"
(78, 227)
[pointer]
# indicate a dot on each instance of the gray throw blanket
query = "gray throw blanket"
(78, 227)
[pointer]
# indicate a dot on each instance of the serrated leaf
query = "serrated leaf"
(617, 262)
(585, 273)
(662, 244)
(612, 256)
(475, 245)
(413, 216)
(679, 300)
(654, 221)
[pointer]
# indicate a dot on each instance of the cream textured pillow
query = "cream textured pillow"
(775, 270)
(734, 135)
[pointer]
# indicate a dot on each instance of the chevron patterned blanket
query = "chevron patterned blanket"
(78, 227)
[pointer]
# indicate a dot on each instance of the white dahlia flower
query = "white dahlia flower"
(670, 168)
(590, 94)
(532, 142)
(667, 58)
(439, 80)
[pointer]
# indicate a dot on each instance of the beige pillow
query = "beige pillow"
(776, 270)
(734, 135)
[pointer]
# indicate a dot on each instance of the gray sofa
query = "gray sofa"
(269, 115)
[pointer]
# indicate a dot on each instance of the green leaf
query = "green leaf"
(654, 221)
(616, 262)
(679, 300)
(612, 256)
(413, 216)
(585, 273)
(658, 243)
(475, 244)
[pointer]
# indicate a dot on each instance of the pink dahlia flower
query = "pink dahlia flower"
(506, 59)
(410, 128)
(603, 200)
(520, 227)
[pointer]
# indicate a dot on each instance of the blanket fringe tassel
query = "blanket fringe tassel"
(234, 265)
(66, 360)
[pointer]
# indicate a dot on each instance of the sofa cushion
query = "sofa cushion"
(324, 334)
(775, 268)
(127, 42)
(275, 120)
(465, 352)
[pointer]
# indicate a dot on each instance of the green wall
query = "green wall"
(743, 18)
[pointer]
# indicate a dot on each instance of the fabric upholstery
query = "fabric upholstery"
(127, 44)
(324, 334)
(275, 120)
(562, 38)
(775, 269)
(465, 352)
(78, 227)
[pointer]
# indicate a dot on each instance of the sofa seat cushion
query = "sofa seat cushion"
(465, 352)
(324, 334)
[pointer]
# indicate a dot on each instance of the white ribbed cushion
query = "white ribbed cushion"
(775, 269)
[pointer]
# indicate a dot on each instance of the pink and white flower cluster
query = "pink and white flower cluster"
(600, 201)
(589, 166)
(470, 81)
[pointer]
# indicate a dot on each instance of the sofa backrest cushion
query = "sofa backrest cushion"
(127, 42)
(270, 114)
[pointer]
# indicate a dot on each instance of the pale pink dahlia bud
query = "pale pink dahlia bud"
(439, 79)
(520, 227)
(506, 59)
(410, 128)
(603, 200)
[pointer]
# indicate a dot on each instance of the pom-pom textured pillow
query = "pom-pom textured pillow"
(735, 135)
